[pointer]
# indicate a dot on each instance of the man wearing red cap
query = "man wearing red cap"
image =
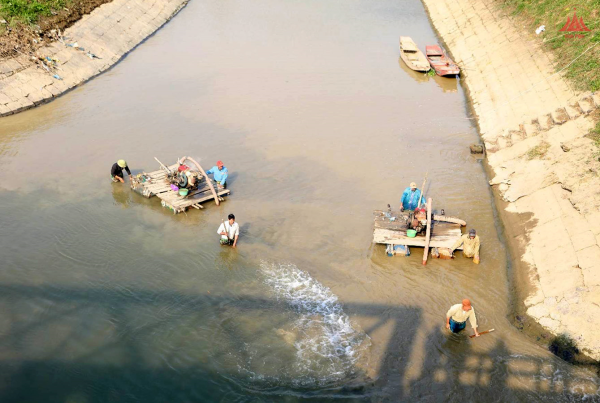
(220, 174)
(457, 315)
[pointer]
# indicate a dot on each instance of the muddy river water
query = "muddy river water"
(107, 296)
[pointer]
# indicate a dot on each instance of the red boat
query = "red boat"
(440, 62)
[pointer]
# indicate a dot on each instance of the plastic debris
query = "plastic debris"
(92, 56)
(540, 29)
(57, 77)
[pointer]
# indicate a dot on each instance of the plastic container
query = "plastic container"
(183, 192)
(411, 233)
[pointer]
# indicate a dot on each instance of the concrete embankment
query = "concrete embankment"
(91, 46)
(542, 164)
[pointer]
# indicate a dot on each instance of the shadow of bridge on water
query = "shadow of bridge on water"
(104, 345)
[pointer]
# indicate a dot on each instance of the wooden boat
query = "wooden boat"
(440, 62)
(412, 56)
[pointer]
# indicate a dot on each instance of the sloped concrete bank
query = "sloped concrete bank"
(543, 167)
(92, 45)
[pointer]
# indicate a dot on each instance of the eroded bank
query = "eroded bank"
(534, 127)
(89, 47)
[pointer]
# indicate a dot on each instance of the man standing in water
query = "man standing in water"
(220, 174)
(229, 231)
(456, 317)
(410, 197)
(470, 244)
(116, 172)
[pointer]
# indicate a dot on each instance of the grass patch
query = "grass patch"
(538, 151)
(594, 135)
(28, 11)
(584, 73)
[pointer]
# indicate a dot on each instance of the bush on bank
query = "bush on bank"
(28, 11)
(584, 72)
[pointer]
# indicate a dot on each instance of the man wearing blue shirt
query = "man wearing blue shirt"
(410, 198)
(220, 174)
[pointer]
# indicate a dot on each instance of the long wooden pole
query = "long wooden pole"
(422, 190)
(445, 218)
(428, 232)
(162, 165)
(485, 332)
(212, 188)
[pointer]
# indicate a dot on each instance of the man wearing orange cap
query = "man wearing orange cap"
(220, 174)
(457, 315)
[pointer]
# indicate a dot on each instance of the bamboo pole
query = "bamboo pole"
(212, 188)
(428, 233)
(422, 190)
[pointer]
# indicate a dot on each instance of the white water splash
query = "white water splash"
(327, 345)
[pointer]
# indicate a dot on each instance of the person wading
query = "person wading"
(457, 315)
(229, 231)
(410, 198)
(116, 172)
(220, 174)
(470, 244)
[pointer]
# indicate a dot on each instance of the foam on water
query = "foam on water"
(328, 346)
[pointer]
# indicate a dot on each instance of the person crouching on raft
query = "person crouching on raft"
(410, 197)
(457, 315)
(470, 244)
(220, 174)
(229, 231)
(116, 172)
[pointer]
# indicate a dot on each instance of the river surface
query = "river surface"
(107, 296)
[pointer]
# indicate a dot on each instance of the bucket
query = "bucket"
(411, 233)
(183, 192)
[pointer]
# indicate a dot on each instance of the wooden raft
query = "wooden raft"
(443, 234)
(159, 186)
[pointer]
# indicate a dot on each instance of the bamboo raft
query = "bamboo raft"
(156, 184)
(442, 231)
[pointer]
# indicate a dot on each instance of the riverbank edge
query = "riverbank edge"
(91, 46)
(524, 277)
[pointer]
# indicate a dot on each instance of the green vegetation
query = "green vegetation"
(594, 134)
(538, 151)
(584, 72)
(28, 11)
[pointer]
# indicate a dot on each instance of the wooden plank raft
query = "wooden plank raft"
(443, 233)
(159, 186)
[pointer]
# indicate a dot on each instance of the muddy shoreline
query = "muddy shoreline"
(533, 289)
(86, 49)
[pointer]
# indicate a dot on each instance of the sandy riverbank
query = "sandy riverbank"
(534, 126)
(91, 46)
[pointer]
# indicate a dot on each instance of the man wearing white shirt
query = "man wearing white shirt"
(457, 315)
(229, 231)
